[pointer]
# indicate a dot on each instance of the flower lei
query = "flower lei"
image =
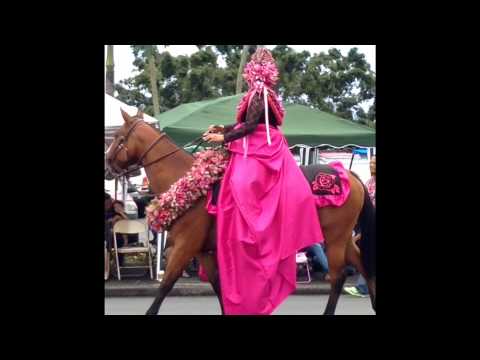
(208, 168)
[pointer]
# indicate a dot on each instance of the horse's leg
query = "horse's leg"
(177, 261)
(354, 259)
(366, 222)
(338, 224)
(209, 263)
(336, 265)
(187, 238)
(372, 289)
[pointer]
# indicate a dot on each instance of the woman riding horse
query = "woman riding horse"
(266, 210)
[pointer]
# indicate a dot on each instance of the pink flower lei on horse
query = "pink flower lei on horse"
(208, 167)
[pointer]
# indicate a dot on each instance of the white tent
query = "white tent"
(113, 116)
(114, 119)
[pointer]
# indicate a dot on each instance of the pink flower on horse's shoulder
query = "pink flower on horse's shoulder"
(325, 181)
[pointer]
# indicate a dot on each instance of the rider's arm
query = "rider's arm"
(254, 112)
(228, 128)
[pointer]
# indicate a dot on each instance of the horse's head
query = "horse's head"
(124, 151)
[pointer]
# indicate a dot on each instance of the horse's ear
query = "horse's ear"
(125, 116)
(140, 113)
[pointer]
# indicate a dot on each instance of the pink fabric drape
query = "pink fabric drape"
(266, 212)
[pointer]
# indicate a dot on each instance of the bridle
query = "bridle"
(118, 172)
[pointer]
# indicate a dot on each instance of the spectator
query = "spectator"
(319, 259)
(114, 211)
(119, 214)
(361, 288)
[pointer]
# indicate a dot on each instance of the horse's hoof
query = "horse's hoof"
(150, 312)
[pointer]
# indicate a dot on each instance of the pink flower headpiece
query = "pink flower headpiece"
(261, 70)
(261, 74)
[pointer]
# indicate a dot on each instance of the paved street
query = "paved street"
(208, 305)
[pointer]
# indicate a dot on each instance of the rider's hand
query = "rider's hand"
(215, 129)
(210, 137)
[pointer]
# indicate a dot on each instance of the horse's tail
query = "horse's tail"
(367, 227)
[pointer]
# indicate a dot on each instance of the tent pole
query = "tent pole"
(124, 195)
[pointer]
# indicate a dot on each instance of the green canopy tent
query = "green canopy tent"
(302, 124)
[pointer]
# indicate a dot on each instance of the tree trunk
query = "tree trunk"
(110, 75)
(243, 59)
(152, 72)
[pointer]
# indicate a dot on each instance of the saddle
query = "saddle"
(323, 180)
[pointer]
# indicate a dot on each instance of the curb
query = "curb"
(204, 289)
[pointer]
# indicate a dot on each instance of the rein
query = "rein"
(139, 164)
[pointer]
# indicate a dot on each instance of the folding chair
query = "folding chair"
(131, 227)
(302, 259)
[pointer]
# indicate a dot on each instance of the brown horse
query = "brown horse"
(193, 235)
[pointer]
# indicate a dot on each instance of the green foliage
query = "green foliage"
(328, 81)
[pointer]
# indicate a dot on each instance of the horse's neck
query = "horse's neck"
(165, 172)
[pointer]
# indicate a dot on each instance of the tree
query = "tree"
(201, 81)
(243, 59)
(232, 54)
(152, 72)
(339, 83)
(231, 77)
(327, 81)
(371, 114)
(110, 75)
(144, 88)
(291, 66)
